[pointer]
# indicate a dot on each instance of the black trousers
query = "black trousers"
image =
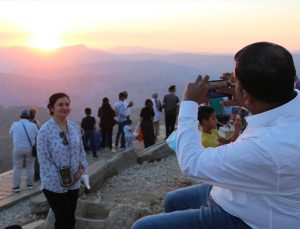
(63, 206)
(36, 170)
(106, 137)
(148, 133)
(170, 120)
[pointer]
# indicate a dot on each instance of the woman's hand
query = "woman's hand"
(78, 174)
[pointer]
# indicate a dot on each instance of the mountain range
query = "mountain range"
(29, 76)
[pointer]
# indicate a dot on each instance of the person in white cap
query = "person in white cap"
(24, 134)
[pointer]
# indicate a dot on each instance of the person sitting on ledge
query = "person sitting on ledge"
(252, 182)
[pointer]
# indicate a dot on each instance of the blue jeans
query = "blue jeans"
(191, 208)
(120, 133)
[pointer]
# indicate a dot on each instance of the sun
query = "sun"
(45, 41)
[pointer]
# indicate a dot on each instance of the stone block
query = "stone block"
(155, 152)
(92, 215)
(35, 225)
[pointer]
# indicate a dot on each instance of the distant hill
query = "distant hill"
(87, 84)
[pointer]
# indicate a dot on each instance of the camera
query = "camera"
(214, 85)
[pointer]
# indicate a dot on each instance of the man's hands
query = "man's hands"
(130, 104)
(197, 91)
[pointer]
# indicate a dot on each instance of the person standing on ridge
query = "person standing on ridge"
(157, 108)
(33, 119)
(171, 106)
(122, 113)
(88, 125)
(62, 161)
(24, 135)
(107, 121)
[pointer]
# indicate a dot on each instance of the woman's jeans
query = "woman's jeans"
(191, 208)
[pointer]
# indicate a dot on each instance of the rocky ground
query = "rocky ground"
(142, 185)
(18, 214)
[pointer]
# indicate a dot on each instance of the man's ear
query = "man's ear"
(204, 121)
(248, 99)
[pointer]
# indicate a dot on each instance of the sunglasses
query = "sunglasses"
(64, 138)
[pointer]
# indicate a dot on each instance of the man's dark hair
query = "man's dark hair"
(121, 95)
(88, 111)
(172, 88)
(266, 71)
(204, 113)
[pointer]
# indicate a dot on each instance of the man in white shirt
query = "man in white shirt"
(24, 135)
(122, 113)
(254, 181)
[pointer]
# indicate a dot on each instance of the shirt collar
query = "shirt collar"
(268, 117)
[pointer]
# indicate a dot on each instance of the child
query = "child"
(128, 134)
(208, 121)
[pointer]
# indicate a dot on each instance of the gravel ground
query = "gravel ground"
(143, 185)
(18, 214)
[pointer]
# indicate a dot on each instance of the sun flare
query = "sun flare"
(46, 42)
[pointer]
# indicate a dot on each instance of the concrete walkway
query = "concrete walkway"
(8, 198)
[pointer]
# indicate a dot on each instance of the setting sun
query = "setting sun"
(194, 26)
(45, 42)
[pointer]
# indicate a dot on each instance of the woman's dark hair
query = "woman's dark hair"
(53, 99)
(105, 100)
(105, 104)
(204, 113)
(32, 113)
(148, 103)
(266, 71)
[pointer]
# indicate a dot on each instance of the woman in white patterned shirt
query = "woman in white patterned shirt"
(62, 161)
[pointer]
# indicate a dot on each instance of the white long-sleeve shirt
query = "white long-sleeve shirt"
(257, 177)
(122, 111)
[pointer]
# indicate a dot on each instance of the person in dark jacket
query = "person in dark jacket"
(107, 121)
(147, 115)
(171, 106)
(88, 126)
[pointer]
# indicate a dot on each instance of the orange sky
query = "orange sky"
(192, 26)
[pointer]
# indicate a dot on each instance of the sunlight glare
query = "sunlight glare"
(46, 42)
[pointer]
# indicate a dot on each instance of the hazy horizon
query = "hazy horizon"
(181, 26)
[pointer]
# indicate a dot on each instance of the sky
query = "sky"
(217, 26)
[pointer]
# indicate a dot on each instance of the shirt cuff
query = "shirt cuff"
(188, 109)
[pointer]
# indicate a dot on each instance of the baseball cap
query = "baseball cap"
(25, 113)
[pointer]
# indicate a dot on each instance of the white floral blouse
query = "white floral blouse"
(54, 153)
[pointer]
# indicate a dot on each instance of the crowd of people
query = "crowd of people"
(55, 152)
(250, 179)
(120, 115)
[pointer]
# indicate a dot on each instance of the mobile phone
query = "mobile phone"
(214, 85)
